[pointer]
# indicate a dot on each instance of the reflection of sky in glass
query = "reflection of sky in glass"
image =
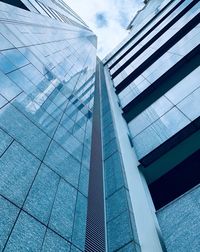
(46, 101)
(170, 58)
(165, 117)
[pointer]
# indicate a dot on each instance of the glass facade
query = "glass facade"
(186, 216)
(164, 118)
(154, 75)
(161, 42)
(161, 37)
(94, 154)
(120, 221)
(46, 107)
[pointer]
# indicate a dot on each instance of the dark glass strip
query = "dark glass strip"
(172, 142)
(176, 182)
(151, 41)
(162, 50)
(168, 80)
(133, 37)
(95, 228)
(16, 3)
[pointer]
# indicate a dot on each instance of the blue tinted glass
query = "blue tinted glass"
(110, 148)
(3, 101)
(32, 58)
(150, 115)
(6, 31)
(74, 249)
(27, 235)
(16, 57)
(17, 163)
(113, 174)
(68, 142)
(159, 42)
(153, 33)
(23, 130)
(178, 220)
(40, 67)
(146, 141)
(184, 87)
(116, 204)
(63, 163)
(162, 129)
(78, 132)
(131, 247)
(7, 88)
(54, 242)
(8, 214)
(83, 181)
(5, 65)
(41, 196)
(79, 229)
(35, 112)
(5, 141)
(86, 157)
(5, 44)
(119, 231)
(190, 106)
(62, 216)
(21, 81)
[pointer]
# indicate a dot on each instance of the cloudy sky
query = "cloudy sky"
(107, 18)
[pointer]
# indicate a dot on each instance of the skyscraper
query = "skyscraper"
(47, 73)
(153, 89)
(99, 155)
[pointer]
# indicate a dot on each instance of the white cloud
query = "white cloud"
(118, 14)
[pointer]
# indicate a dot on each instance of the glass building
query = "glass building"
(153, 89)
(47, 74)
(99, 155)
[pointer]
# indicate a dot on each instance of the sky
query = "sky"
(107, 18)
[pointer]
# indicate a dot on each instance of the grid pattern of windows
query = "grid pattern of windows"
(173, 43)
(159, 48)
(138, 31)
(46, 105)
(120, 222)
(170, 113)
(155, 75)
(158, 36)
(60, 11)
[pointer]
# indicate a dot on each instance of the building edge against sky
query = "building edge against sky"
(153, 89)
(99, 156)
(47, 75)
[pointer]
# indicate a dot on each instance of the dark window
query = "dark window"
(16, 3)
(176, 182)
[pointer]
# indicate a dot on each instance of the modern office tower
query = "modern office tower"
(153, 88)
(47, 73)
(99, 156)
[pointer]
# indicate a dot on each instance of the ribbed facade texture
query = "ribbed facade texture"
(99, 155)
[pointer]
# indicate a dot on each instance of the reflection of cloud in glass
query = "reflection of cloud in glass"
(34, 105)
